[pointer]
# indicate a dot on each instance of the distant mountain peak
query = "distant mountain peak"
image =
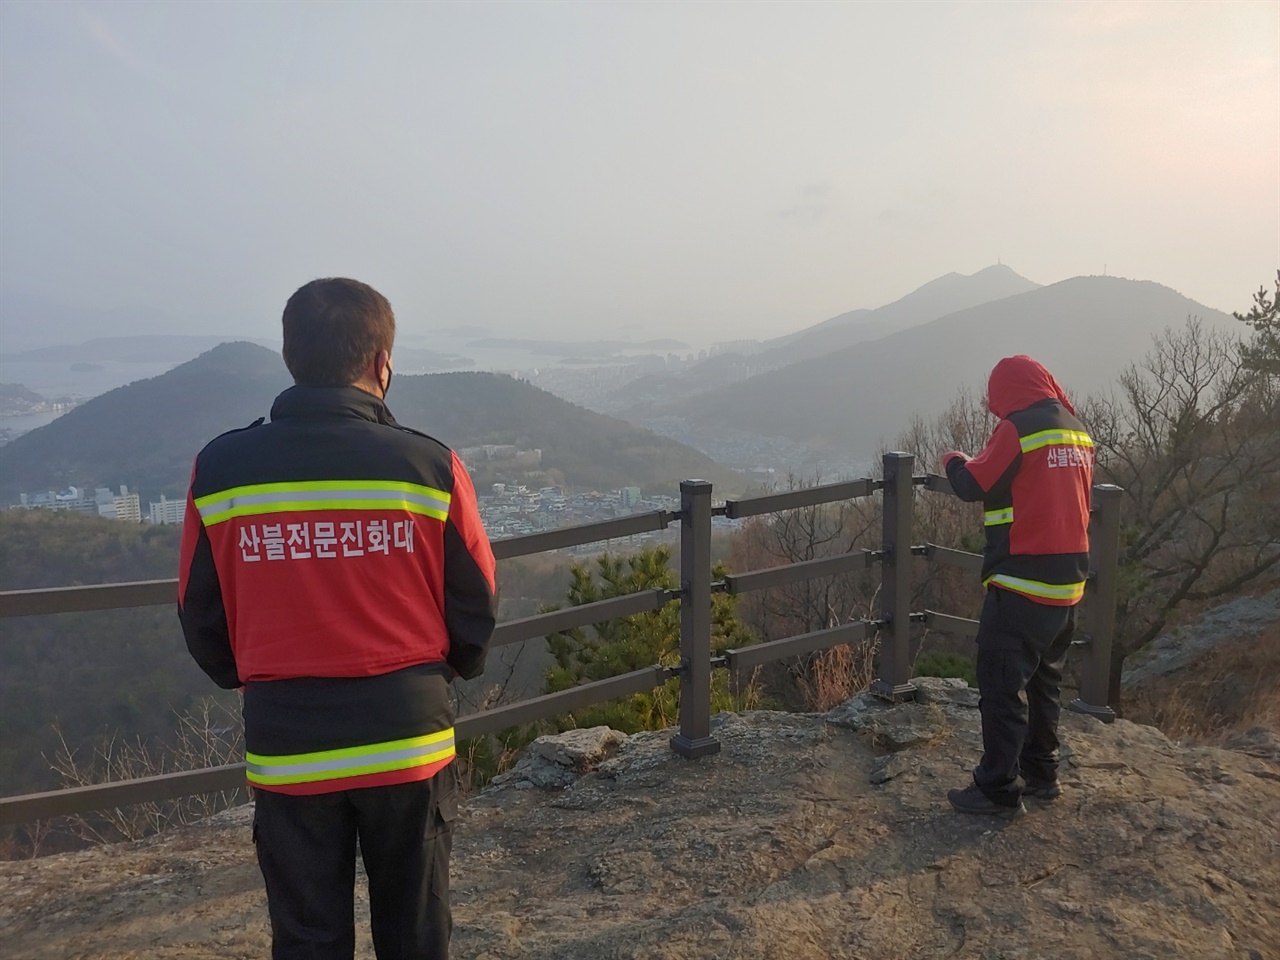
(160, 348)
(1003, 278)
(1000, 270)
(1085, 329)
(235, 356)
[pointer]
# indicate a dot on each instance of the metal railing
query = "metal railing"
(694, 739)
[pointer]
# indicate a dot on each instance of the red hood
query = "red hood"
(1018, 382)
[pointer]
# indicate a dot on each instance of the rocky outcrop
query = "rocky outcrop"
(556, 761)
(1239, 620)
(808, 836)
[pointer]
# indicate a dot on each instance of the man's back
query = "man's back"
(335, 567)
(330, 532)
(353, 576)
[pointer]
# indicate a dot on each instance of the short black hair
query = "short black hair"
(333, 328)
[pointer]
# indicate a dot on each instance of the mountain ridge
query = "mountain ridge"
(147, 433)
(938, 297)
(151, 348)
(1084, 329)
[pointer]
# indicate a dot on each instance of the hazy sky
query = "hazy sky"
(706, 171)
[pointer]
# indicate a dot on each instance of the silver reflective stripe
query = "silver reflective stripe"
(348, 763)
(1037, 588)
(321, 497)
(1045, 438)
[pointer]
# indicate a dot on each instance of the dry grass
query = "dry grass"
(1229, 690)
(830, 677)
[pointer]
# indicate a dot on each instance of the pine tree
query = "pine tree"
(1263, 352)
(631, 643)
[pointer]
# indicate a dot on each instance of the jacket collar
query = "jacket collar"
(303, 401)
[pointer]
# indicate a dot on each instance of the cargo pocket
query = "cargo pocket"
(447, 799)
(999, 628)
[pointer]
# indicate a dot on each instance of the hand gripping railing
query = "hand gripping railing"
(694, 738)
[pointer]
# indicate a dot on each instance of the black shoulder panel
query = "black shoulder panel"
(418, 433)
(1046, 415)
(257, 423)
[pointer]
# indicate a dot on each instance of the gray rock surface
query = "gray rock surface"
(1257, 742)
(1242, 618)
(808, 837)
(556, 761)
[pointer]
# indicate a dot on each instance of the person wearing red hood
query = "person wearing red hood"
(1034, 479)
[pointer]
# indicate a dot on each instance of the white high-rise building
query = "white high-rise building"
(128, 507)
(168, 511)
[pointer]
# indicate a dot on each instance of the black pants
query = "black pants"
(307, 850)
(1021, 645)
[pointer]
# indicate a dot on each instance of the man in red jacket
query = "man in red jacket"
(1034, 479)
(335, 568)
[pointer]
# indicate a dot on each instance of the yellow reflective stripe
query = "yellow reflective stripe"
(303, 506)
(1036, 588)
(351, 761)
(1050, 438)
(993, 518)
(423, 760)
(266, 498)
(350, 753)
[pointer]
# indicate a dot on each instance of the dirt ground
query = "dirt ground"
(808, 836)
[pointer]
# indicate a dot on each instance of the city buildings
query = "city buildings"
(507, 509)
(123, 507)
(103, 503)
(167, 511)
(510, 510)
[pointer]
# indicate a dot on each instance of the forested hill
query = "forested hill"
(90, 673)
(146, 434)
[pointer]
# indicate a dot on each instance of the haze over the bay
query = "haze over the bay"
(701, 171)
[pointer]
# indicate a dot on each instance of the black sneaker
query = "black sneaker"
(972, 800)
(1046, 791)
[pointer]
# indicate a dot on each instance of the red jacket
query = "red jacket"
(1034, 478)
(334, 564)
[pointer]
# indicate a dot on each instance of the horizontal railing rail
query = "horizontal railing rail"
(795, 499)
(969, 562)
(564, 701)
(121, 793)
(736, 583)
(740, 659)
(582, 534)
(147, 593)
(934, 483)
(892, 629)
(583, 615)
(100, 596)
(946, 623)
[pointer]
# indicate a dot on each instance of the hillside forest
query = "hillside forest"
(234, 384)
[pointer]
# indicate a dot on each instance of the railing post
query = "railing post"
(894, 682)
(1100, 603)
(694, 739)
